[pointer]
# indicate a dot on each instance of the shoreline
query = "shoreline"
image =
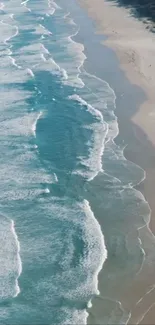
(133, 57)
(102, 61)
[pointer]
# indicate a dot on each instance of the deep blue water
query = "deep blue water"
(60, 172)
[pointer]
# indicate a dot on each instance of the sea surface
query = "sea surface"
(66, 192)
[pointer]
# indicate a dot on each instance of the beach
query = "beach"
(77, 169)
(135, 49)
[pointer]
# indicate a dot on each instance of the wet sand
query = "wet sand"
(135, 48)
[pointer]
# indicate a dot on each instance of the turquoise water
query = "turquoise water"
(60, 172)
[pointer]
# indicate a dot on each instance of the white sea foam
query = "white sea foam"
(56, 178)
(72, 46)
(52, 11)
(23, 125)
(91, 259)
(97, 142)
(23, 194)
(50, 65)
(11, 16)
(14, 27)
(89, 305)
(76, 55)
(46, 31)
(30, 72)
(10, 259)
(104, 100)
(64, 74)
(45, 49)
(94, 252)
(24, 177)
(77, 317)
(89, 107)
(19, 263)
(37, 249)
(24, 2)
(40, 30)
(47, 190)
(23, 172)
(14, 62)
(6, 32)
(96, 257)
(103, 92)
(44, 8)
(43, 57)
(16, 75)
(127, 171)
(69, 19)
(9, 105)
(9, 52)
(14, 7)
(35, 123)
(55, 4)
(73, 61)
(32, 56)
(23, 169)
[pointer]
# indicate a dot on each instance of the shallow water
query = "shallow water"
(60, 172)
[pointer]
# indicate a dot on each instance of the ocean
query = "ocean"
(68, 206)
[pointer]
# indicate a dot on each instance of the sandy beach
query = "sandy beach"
(135, 49)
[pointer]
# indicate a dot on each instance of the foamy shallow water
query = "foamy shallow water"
(60, 169)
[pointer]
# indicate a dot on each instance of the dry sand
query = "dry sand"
(135, 48)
